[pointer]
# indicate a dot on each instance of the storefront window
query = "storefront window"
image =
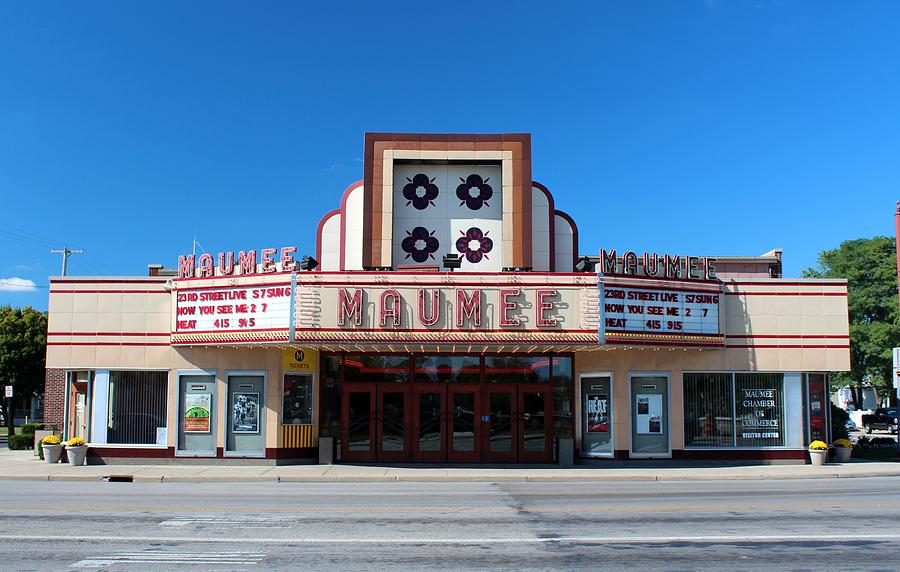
(371, 368)
(297, 403)
(517, 369)
(453, 369)
(563, 423)
(728, 410)
(708, 410)
(137, 407)
(759, 407)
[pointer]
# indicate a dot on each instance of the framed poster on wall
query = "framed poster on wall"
(596, 411)
(649, 413)
(245, 413)
(197, 412)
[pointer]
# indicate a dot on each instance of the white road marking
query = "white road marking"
(844, 537)
(160, 557)
(274, 521)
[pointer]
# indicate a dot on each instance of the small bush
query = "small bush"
(30, 428)
(21, 442)
(839, 419)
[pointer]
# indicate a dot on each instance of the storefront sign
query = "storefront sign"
(238, 309)
(296, 359)
(240, 264)
(245, 413)
(197, 408)
(659, 310)
(596, 411)
(654, 265)
(759, 413)
(648, 420)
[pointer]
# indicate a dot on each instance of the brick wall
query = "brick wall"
(54, 398)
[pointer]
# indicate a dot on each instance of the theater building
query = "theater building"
(446, 316)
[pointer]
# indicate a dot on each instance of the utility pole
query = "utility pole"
(66, 252)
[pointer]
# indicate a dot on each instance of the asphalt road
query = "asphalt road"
(712, 525)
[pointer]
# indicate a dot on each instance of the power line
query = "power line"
(66, 252)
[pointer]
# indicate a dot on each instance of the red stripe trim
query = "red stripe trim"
(841, 284)
(663, 288)
(444, 341)
(688, 280)
(249, 330)
(109, 291)
(231, 277)
(806, 346)
(233, 286)
(436, 331)
(664, 343)
(107, 344)
(108, 281)
(793, 336)
(784, 293)
(446, 284)
(107, 334)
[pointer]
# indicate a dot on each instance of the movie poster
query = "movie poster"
(245, 413)
(196, 412)
(596, 412)
(648, 419)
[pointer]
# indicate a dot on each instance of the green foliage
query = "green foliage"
(870, 267)
(31, 428)
(22, 442)
(23, 347)
(839, 419)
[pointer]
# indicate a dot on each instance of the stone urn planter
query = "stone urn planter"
(818, 456)
(842, 454)
(52, 453)
(77, 454)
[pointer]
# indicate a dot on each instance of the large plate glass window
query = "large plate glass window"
(708, 410)
(759, 408)
(137, 407)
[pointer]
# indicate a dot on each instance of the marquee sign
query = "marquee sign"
(653, 312)
(232, 313)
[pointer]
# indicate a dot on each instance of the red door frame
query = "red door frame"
(382, 389)
(429, 456)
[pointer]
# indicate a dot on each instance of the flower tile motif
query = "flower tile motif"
(420, 244)
(474, 244)
(474, 191)
(412, 194)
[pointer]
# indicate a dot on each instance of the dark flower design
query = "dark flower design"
(474, 244)
(420, 245)
(474, 192)
(420, 199)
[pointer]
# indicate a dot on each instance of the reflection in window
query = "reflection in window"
(517, 369)
(453, 369)
(371, 368)
(137, 406)
(297, 403)
(708, 402)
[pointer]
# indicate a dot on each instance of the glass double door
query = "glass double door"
(445, 423)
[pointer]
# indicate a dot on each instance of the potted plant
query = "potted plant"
(76, 449)
(842, 450)
(818, 452)
(52, 448)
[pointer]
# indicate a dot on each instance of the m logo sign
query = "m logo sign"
(295, 359)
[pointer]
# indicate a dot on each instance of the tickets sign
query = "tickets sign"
(233, 309)
(659, 311)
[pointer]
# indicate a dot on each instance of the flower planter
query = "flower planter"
(818, 456)
(52, 453)
(842, 454)
(77, 454)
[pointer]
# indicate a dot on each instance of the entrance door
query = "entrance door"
(534, 429)
(78, 409)
(650, 416)
(391, 434)
(463, 423)
(429, 430)
(499, 428)
(358, 407)
(596, 416)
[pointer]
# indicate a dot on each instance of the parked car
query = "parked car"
(884, 418)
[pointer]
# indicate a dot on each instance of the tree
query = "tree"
(23, 346)
(870, 267)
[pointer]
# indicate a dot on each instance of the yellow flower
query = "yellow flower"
(75, 442)
(843, 443)
(50, 440)
(818, 446)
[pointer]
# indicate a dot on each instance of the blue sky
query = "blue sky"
(692, 127)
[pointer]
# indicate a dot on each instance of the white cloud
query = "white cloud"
(15, 284)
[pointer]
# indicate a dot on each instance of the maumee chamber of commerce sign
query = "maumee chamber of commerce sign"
(659, 299)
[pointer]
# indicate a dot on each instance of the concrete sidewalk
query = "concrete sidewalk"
(22, 465)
